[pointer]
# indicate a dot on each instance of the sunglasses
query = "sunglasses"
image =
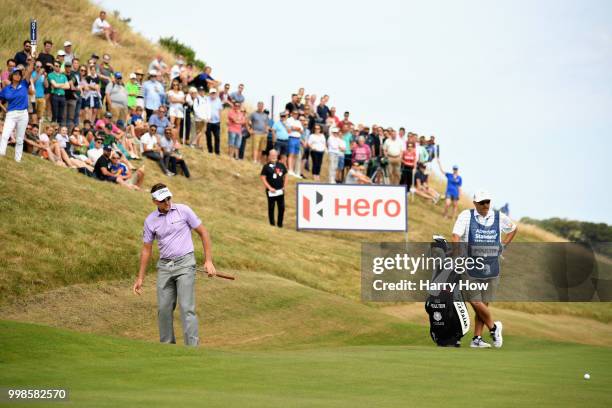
(165, 200)
(484, 202)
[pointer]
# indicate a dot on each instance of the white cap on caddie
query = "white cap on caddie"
(481, 196)
(67, 43)
(162, 194)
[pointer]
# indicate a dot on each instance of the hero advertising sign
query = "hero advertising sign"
(355, 207)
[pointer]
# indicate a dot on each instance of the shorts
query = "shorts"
(348, 160)
(341, 160)
(90, 102)
(176, 110)
(41, 104)
(480, 295)
(200, 126)
(294, 145)
(234, 139)
(259, 141)
(282, 147)
(452, 195)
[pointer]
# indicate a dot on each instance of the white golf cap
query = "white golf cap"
(335, 130)
(153, 72)
(132, 76)
(162, 194)
(61, 53)
(481, 196)
(213, 90)
(67, 43)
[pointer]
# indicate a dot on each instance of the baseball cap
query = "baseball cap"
(95, 56)
(61, 53)
(213, 90)
(283, 113)
(132, 76)
(455, 167)
(138, 72)
(118, 75)
(108, 148)
(481, 196)
(120, 124)
(335, 130)
(153, 72)
(67, 43)
(108, 115)
(201, 88)
(161, 194)
(193, 89)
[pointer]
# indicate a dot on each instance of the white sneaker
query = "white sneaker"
(479, 343)
(496, 335)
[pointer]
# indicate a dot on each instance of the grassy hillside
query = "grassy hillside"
(71, 20)
(69, 245)
(62, 228)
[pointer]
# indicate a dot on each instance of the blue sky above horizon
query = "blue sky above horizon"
(519, 94)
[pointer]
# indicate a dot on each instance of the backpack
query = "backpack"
(449, 319)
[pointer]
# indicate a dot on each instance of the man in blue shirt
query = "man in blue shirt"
(453, 189)
(237, 97)
(213, 128)
(280, 137)
(16, 96)
(153, 93)
(160, 120)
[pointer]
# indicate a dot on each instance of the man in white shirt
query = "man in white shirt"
(295, 129)
(102, 28)
(481, 229)
(392, 149)
(201, 112)
(97, 151)
(152, 150)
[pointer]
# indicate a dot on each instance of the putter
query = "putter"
(218, 275)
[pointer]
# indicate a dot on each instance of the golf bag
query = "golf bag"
(449, 319)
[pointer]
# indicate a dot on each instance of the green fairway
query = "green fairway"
(104, 371)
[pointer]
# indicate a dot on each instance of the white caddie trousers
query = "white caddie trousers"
(15, 120)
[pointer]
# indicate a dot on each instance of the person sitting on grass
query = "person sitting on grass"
(172, 157)
(124, 175)
(422, 186)
(356, 175)
(102, 28)
(152, 150)
(95, 152)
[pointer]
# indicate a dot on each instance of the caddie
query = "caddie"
(481, 228)
(171, 226)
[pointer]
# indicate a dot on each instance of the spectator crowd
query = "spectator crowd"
(80, 112)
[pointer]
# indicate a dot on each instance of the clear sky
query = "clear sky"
(519, 93)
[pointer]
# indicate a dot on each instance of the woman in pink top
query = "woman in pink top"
(409, 160)
(361, 152)
(236, 119)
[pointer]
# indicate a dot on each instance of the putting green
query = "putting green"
(103, 371)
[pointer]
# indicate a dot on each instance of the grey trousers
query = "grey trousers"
(176, 280)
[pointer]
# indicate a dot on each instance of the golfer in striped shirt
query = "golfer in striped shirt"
(171, 225)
